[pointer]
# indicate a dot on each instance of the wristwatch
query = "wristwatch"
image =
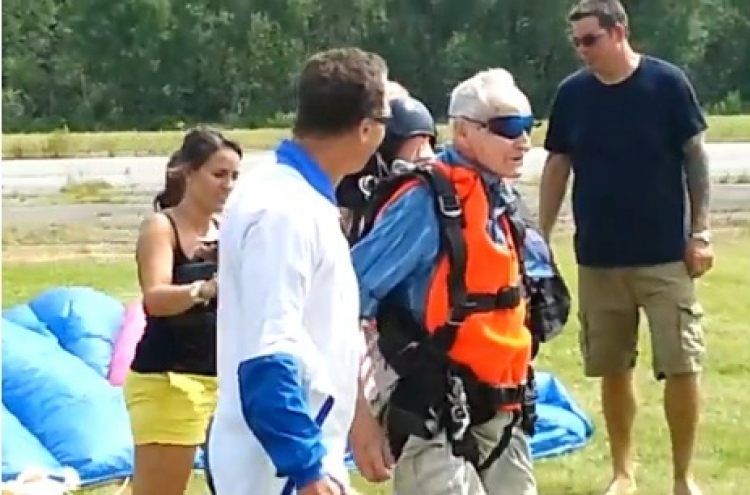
(195, 292)
(702, 235)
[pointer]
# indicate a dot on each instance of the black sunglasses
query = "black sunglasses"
(587, 40)
(382, 119)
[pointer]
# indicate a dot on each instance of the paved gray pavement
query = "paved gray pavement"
(35, 213)
(34, 176)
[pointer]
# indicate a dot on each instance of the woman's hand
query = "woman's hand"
(207, 251)
(208, 289)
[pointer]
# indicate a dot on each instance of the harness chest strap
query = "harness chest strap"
(461, 303)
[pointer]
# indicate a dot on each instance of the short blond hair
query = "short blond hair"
(395, 91)
(487, 94)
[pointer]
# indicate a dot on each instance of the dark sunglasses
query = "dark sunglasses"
(587, 40)
(382, 119)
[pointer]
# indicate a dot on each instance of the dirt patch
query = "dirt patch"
(120, 244)
(36, 232)
(57, 252)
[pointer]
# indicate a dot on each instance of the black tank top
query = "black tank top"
(183, 343)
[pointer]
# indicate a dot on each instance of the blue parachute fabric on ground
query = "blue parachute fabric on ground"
(24, 449)
(59, 409)
(24, 316)
(84, 320)
(562, 426)
(67, 406)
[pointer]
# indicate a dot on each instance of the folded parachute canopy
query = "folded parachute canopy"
(60, 409)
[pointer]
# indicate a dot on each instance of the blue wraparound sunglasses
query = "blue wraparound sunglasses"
(509, 127)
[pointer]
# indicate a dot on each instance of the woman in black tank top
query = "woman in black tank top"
(171, 389)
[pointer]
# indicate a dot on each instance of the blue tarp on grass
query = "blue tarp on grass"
(59, 409)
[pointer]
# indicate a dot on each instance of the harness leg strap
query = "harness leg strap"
(501, 446)
(467, 448)
(528, 408)
(400, 424)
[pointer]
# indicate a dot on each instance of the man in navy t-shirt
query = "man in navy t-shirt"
(630, 129)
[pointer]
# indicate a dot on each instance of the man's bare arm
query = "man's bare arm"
(552, 190)
(698, 182)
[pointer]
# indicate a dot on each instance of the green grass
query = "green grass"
(723, 457)
(63, 144)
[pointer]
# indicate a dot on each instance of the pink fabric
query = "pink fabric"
(131, 331)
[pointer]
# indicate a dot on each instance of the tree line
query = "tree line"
(100, 65)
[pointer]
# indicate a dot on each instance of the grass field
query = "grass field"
(723, 457)
(72, 144)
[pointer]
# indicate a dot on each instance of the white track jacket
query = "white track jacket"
(289, 344)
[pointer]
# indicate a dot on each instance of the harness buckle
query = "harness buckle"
(460, 418)
(458, 314)
(509, 297)
(367, 184)
(458, 408)
(449, 205)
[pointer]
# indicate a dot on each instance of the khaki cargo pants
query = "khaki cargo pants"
(428, 467)
(609, 302)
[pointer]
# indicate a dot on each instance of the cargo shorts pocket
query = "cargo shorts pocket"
(692, 337)
(584, 338)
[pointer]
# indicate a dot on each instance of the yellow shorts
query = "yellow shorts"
(169, 408)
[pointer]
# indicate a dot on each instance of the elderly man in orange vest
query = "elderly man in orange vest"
(442, 270)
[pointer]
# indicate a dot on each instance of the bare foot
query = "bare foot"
(686, 487)
(624, 486)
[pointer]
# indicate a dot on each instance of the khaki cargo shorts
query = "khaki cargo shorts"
(609, 304)
(428, 467)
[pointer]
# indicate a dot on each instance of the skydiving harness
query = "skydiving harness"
(434, 393)
(367, 185)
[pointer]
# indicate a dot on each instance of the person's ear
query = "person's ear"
(460, 129)
(365, 129)
(619, 32)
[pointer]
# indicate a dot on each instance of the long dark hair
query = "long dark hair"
(197, 147)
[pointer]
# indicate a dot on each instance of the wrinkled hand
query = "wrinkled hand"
(324, 486)
(369, 446)
(699, 257)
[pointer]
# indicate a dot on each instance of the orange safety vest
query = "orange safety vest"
(492, 340)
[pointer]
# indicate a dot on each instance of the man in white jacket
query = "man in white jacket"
(289, 345)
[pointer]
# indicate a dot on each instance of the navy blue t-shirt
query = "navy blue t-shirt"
(625, 142)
